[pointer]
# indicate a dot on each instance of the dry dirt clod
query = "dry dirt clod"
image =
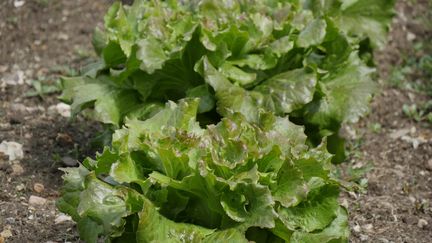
(38, 187)
(399, 133)
(368, 227)
(37, 201)
(6, 234)
(64, 139)
(17, 169)
(410, 220)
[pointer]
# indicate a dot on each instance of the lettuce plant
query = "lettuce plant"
(166, 179)
(300, 58)
(226, 115)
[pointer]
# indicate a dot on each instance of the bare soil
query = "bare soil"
(43, 37)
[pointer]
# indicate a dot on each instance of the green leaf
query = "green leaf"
(207, 100)
(110, 102)
(153, 227)
(229, 235)
(288, 91)
(113, 55)
(99, 40)
(251, 205)
(151, 54)
(291, 187)
(237, 75)
(369, 18)
(313, 34)
(100, 203)
(345, 95)
(231, 98)
(68, 86)
(337, 231)
(126, 170)
(316, 213)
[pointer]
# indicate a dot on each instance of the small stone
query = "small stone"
(61, 108)
(410, 220)
(429, 165)
(68, 161)
(19, 3)
(17, 169)
(12, 149)
(62, 218)
(64, 109)
(37, 201)
(357, 228)
(411, 36)
(17, 107)
(422, 223)
(345, 203)
(63, 36)
(38, 187)
(20, 187)
(2, 240)
(13, 79)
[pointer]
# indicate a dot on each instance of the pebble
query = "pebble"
(64, 110)
(37, 201)
(422, 223)
(411, 36)
(20, 187)
(13, 79)
(19, 3)
(38, 187)
(62, 218)
(429, 165)
(410, 220)
(357, 228)
(12, 149)
(61, 108)
(18, 107)
(68, 161)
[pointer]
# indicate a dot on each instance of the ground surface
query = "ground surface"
(43, 38)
